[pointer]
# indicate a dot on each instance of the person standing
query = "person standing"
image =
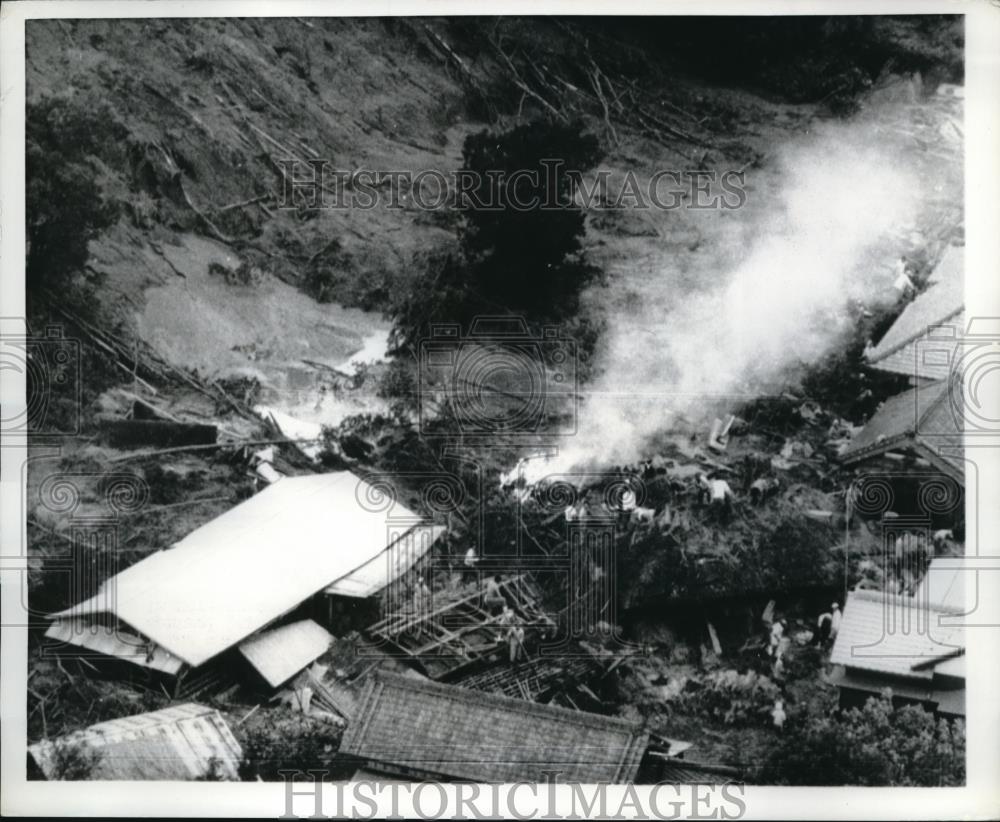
(493, 598)
(778, 714)
(824, 625)
(835, 618)
(515, 641)
(777, 632)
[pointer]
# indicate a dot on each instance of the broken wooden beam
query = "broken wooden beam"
(143, 432)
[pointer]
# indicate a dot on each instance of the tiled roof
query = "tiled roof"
(894, 635)
(426, 728)
(681, 771)
(182, 742)
(923, 418)
(928, 356)
(941, 303)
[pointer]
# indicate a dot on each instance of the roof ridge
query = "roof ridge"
(871, 595)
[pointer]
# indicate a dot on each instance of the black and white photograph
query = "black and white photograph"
(547, 415)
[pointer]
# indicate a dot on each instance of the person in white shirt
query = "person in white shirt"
(777, 632)
(778, 715)
(836, 617)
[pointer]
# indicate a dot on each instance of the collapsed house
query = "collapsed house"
(916, 345)
(913, 645)
(182, 742)
(254, 584)
(448, 636)
(416, 729)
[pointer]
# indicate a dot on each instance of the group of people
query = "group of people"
(719, 495)
(827, 626)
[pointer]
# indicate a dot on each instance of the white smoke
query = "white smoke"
(770, 294)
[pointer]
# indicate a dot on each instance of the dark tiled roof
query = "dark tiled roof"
(681, 771)
(427, 728)
(941, 303)
(923, 418)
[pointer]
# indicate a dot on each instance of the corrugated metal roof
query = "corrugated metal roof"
(388, 566)
(894, 635)
(940, 303)
(428, 728)
(112, 642)
(182, 742)
(252, 564)
(281, 653)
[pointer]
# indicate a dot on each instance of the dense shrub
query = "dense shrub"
(731, 697)
(276, 740)
(873, 745)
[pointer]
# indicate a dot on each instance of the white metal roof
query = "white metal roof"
(112, 641)
(279, 654)
(242, 570)
(389, 565)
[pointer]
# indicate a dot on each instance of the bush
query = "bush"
(876, 745)
(279, 740)
(73, 761)
(732, 698)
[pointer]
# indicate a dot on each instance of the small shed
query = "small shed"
(182, 742)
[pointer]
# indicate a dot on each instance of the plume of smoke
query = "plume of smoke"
(770, 296)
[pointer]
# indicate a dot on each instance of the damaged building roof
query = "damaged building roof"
(922, 419)
(426, 729)
(182, 742)
(288, 542)
(900, 350)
